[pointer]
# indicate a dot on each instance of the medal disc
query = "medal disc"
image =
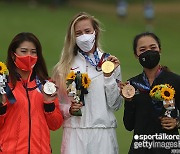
(107, 67)
(128, 91)
(49, 88)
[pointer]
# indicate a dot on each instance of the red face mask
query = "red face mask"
(25, 63)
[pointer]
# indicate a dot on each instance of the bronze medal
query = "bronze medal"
(128, 91)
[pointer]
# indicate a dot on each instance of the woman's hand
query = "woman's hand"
(168, 123)
(74, 105)
(116, 62)
(121, 86)
(49, 98)
(3, 99)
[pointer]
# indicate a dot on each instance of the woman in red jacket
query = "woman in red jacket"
(27, 114)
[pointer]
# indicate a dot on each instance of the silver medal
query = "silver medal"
(49, 88)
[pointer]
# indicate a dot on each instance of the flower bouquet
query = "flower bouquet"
(77, 84)
(165, 93)
(3, 80)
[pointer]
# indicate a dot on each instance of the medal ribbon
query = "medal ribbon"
(37, 80)
(96, 57)
(146, 87)
(99, 61)
(102, 60)
(9, 93)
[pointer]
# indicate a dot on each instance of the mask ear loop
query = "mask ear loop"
(29, 76)
(29, 73)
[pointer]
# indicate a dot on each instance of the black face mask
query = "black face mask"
(149, 59)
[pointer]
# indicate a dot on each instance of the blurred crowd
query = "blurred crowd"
(122, 11)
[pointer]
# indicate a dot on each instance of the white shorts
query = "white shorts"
(89, 141)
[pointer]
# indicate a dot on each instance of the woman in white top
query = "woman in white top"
(94, 131)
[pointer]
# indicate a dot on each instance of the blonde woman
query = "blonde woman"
(94, 131)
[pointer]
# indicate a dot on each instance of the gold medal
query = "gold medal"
(128, 91)
(107, 67)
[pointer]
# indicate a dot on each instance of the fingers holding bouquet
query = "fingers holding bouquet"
(168, 122)
(75, 106)
(2, 99)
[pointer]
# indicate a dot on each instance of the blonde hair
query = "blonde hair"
(70, 50)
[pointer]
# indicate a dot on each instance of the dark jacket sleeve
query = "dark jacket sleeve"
(129, 115)
(177, 95)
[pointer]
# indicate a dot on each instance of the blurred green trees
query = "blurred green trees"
(65, 1)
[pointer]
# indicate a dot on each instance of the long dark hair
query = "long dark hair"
(155, 37)
(39, 69)
(137, 37)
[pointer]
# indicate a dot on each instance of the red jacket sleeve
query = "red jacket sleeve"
(2, 114)
(53, 115)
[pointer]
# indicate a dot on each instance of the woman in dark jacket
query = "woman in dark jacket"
(154, 133)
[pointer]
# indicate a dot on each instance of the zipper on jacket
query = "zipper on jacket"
(29, 114)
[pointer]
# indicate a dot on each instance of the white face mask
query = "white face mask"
(86, 41)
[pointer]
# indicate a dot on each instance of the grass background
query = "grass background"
(50, 24)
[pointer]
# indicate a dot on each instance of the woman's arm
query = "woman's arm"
(3, 108)
(169, 123)
(112, 91)
(129, 115)
(53, 115)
